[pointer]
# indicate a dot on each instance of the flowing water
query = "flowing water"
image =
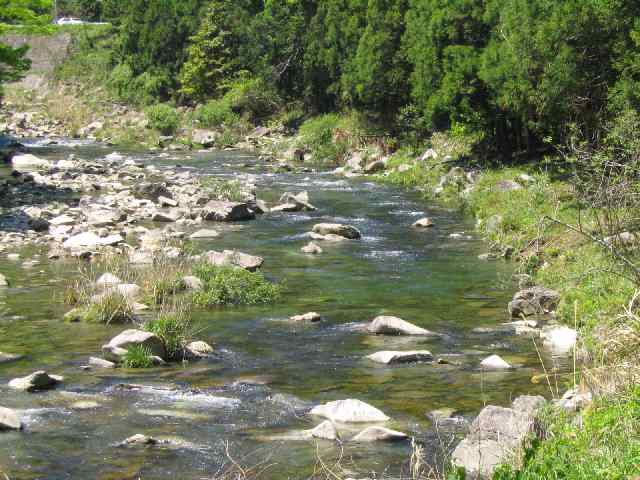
(268, 372)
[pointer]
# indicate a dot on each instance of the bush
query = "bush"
(175, 329)
(161, 289)
(230, 190)
(319, 136)
(233, 286)
(137, 356)
(110, 307)
(253, 98)
(163, 118)
(216, 113)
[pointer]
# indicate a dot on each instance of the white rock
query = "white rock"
(3, 281)
(27, 161)
(9, 419)
(326, 431)
(108, 280)
(349, 411)
(495, 362)
(205, 233)
(390, 357)
(62, 220)
(387, 325)
(423, 223)
(307, 317)
(560, 340)
(312, 248)
(39, 380)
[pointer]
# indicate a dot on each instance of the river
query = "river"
(268, 372)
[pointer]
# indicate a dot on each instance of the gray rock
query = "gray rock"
(140, 440)
(498, 435)
(28, 161)
(307, 317)
(192, 283)
(346, 231)
(224, 211)
(349, 411)
(379, 434)
(91, 240)
(9, 419)
(574, 400)
(533, 301)
(234, 258)
(294, 203)
(391, 357)
(37, 381)
(105, 218)
(133, 337)
(151, 191)
(199, 349)
(375, 166)
(166, 216)
(206, 138)
(101, 363)
(387, 325)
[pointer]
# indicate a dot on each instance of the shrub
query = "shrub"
(110, 307)
(254, 98)
(233, 286)
(161, 289)
(137, 356)
(175, 329)
(163, 117)
(230, 190)
(216, 113)
(329, 137)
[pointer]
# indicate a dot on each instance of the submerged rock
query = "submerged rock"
(205, 233)
(390, 357)
(534, 301)
(101, 363)
(346, 231)
(387, 325)
(37, 381)
(349, 411)
(307, 317)
(142, 440)
(199, 349)
(498, 435)
(9, 419)
(312, 249)
(10, 357)
(379, 434)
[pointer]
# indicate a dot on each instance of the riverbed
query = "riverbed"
(267, 372)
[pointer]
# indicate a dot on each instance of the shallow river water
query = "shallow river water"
(268, 372)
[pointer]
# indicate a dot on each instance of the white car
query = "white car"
(69, 21)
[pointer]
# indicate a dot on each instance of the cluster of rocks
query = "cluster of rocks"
(31, 124)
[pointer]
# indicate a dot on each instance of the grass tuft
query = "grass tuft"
(233, 286)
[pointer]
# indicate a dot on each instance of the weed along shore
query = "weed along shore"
(319, 240)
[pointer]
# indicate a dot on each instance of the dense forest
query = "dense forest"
(519, 75)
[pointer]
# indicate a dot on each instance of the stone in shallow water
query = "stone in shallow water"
(389, 357)
(533, 301)
(326, 431)
(387, 325)
(349, 411)
(133, 337)
(140, 439)
(101, 363)
(307, 317)
(423, 223)
(205, 233)
(10, 357)
(346, 231)
(379, 434)
(234, 258)
(9, 419)
(39, 380)
(311, 248)
(495, 362)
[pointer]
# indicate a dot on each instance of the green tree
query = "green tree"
(26, 12)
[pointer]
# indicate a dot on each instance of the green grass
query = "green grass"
(162, 289)
(233, 286)
(137, 356)
(231, 190)
(108, 308)
(175, 330)
(604, 444)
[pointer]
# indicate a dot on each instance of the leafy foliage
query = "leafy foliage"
(163, 118)
(137, 356)
(174, 329)
(233, 286)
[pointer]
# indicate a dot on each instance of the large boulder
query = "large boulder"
(37, 381)
(349, 411)
(291, 202)
(234, 258)
(346, 231)
(387, 325)
(498, 435)
(225, 211)
(533, 301)
(9, 419)
(388, 357)
(91, 240)
(119, 345)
